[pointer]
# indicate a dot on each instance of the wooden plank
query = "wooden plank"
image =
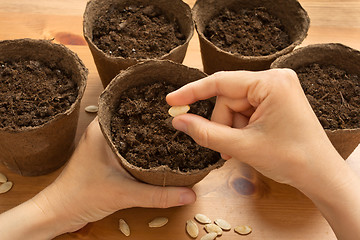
(234, 192)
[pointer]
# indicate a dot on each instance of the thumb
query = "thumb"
(218, 137)
(162, 197)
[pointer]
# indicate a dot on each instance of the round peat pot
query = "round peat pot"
(150, 72)
(109, 65)
(341, 57)
(32, 150)
(292, 16)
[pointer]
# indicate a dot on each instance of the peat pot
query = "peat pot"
(342, 57)
(40, 149)
(150, 72)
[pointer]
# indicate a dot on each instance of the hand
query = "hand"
(265, 120)
(260, 118)
(92, 186)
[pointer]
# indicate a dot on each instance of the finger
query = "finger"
(218, 137)
(240, 121)
(231, 84)
(225, 108)
(161, 197)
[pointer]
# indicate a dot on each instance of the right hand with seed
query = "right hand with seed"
(264, 119)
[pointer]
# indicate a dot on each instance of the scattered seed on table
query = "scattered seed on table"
(3, 178)
(209, 236)
(178, 110)
(92, 109)
(192, 229)
(5, 187)
(201, 218)
(124, 227)
(158, 222)
(223, 224)
(211, 227)
(243, 230)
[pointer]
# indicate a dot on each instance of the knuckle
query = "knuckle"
(203, 137)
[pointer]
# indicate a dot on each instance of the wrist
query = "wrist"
(29, 221)
(333, 188)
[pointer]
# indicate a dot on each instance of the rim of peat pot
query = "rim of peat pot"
(294, 18)
(150, 71)
(109, 66)
(344, 140)
(38, 150)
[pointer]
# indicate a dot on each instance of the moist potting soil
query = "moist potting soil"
(33, 92)
(142, 132)
(249, 32)
(333, 94)
(139, 32)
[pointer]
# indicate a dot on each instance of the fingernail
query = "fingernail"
(179, 125)
(186, 198)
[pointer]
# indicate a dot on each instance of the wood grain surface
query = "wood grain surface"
(235, 192)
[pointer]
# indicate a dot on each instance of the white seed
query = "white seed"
(3, 178)
(158, 222)
(213, 228)
(178, 110)
(192, 229)
(223, 224)
(201, 218)
(92, 109)
(243, 230)
(124, 227)
(5, 187)
(209, 236)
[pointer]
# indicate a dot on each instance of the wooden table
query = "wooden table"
(237, 194)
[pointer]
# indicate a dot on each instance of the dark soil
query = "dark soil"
(333, 94)
(32, 93)
(249, 32)
(142, 131)
(139, 32)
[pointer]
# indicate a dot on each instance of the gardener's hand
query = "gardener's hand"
(92, 186)
(265, 120)
(260, 118)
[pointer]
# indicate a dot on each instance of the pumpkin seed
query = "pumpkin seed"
(178, 110)
(243, 230)
(5, 187)
(158, 222)
(223, 224)
(124, 227)
(201, 218)
(3, 178)
(92, 109)
(211, 227)
(209, 236)
(192, 229)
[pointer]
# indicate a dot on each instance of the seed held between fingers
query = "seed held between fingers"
(178, 110)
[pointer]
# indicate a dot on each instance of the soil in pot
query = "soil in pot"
(142, 132)
(33, 92)
(249, 32)
(139, 32)
(333, 94)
